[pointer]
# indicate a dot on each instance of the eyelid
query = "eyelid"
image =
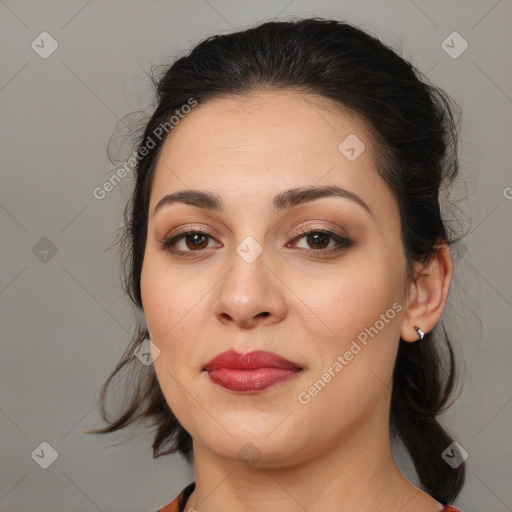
(172, 237)
(342, 242)
(292, 233)
(312, 227)
(188, 228)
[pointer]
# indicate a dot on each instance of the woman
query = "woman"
(286, 246)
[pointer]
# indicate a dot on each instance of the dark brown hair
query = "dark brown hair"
(413, 127)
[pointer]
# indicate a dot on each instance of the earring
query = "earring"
(421, 334)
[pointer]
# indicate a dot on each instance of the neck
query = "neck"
(355, 473)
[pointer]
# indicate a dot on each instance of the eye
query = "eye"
(196, 241)
(318, 238)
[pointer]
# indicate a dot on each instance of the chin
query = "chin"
(261, 449)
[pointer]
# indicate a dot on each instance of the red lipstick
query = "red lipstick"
(253, 371)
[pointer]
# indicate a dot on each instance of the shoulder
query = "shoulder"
(450, 509)
(178, 503)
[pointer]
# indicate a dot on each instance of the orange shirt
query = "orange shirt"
(178, 504)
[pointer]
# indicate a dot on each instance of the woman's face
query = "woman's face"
(255, 282)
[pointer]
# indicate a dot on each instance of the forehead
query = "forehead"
(261, 142)
(264, 124)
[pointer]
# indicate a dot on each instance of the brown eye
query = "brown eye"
(194, 241)
(318, 240)
(197, 241)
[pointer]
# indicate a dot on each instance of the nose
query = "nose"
(251, 294)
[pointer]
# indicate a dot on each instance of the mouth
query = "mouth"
(251, 372)
(250, 380)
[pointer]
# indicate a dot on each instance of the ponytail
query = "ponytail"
(418, 397)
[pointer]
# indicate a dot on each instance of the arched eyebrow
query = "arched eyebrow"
(282, 201)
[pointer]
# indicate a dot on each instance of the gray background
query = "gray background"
(64, 320)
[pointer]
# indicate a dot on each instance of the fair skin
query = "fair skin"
(333, 453)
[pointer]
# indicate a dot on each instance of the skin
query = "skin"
(333, 453)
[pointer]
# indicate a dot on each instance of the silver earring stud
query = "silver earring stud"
(421, 334)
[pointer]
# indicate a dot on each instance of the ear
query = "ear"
(428, 294)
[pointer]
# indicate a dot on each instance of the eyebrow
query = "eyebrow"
(282, 201)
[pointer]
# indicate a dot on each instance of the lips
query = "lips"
(250, 361)
(253, 371)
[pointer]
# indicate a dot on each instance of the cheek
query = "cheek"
(153, 296)
(352, 299)
(165, 298)
(168, 308)
(355, 345)
(358, 318)
(175, 307)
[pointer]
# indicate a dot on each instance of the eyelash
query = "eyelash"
(343, 243)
